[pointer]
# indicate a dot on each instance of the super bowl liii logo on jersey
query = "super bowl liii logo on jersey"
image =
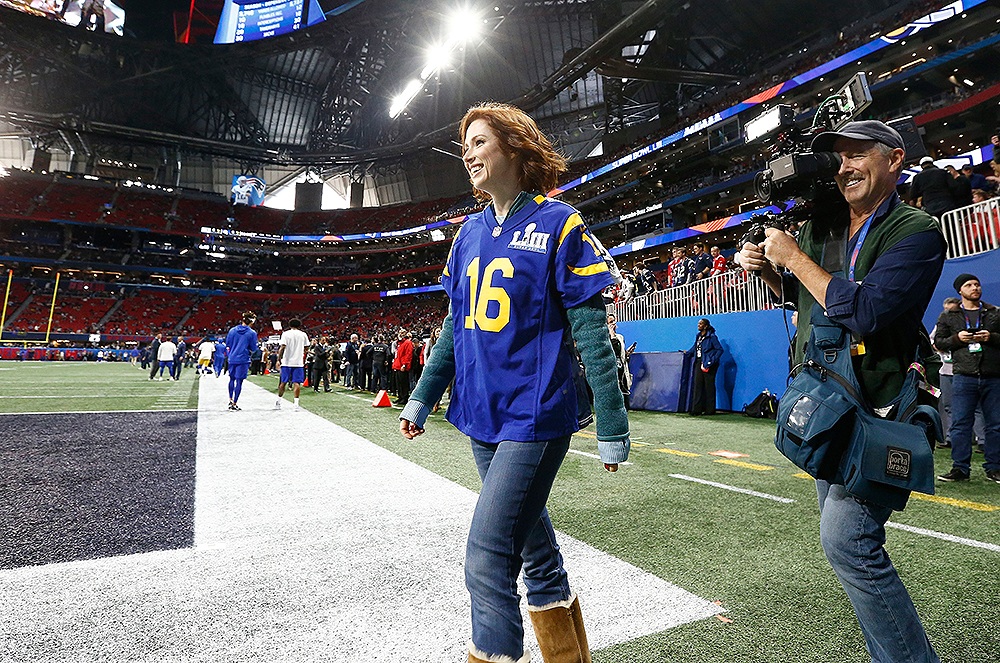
(530, 241)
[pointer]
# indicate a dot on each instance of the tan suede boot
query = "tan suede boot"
(560, 633)
(476, 656)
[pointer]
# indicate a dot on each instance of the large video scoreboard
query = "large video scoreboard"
(246, 20)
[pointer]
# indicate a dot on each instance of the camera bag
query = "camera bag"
(825, 427)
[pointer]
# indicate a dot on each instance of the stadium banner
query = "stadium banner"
(248, 190)
(700, 229)
(891, 38)
(248, 20)
(411, 291)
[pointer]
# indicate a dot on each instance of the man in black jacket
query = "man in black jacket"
(934, 187)
(972, 335)
(353, 363)
(366, 366)
(320, 355)
(154, 353)
(380, 364)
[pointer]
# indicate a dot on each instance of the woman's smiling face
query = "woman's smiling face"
(490, 168)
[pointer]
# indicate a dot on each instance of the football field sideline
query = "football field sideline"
(311, 543)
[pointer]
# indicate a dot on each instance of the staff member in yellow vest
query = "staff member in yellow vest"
(891, 256)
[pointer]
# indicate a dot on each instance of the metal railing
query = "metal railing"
(969, 230)
(972, 229)
(729, 292)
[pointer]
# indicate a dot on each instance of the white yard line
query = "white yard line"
(590, 455)
(15, 414)
(65, 396)
(735, 489)
(944, 537)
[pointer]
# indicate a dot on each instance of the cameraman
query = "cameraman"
(892, 261)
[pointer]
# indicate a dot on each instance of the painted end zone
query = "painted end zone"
(88, 485)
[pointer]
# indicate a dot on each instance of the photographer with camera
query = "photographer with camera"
(891, 256)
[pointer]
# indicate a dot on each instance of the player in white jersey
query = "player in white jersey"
(291, 356)
(205, 351)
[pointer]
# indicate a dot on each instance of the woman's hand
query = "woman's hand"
(409, 429)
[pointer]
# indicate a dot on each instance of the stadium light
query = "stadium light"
(400, 103)
(438, 58)
(464, 25)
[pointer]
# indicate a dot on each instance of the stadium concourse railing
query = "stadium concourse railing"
(972, 229)
(729, 292)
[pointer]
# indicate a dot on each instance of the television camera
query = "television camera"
(793, 169)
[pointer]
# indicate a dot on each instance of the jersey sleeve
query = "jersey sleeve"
(449, 266)
(580, 269)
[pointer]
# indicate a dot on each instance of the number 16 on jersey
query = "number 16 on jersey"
(480, 297)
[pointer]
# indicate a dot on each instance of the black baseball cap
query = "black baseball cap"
(880, 132)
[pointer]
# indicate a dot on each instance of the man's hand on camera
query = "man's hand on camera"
(751, 257)
(780, 247)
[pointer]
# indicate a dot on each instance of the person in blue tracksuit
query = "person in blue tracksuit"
(707, 351)
(219, 357)
(241, 342)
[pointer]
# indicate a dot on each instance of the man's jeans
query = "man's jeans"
(349, 376)
(378, 377)
(511, 529)
(968, 392)
(853, 534)
(944, 409)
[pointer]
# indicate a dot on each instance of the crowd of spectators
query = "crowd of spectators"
(58, 196)
(77, 311)
(80, 306)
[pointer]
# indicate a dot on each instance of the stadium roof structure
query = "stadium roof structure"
(320, 96)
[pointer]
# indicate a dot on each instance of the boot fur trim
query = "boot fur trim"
(568, 603)
(476, 656)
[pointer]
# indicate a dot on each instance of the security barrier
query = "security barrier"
(972, 229)
(730, 292)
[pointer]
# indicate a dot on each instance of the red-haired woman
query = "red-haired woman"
(525, 281)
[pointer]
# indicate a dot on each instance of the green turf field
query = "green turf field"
(758, 557)
(35, 386)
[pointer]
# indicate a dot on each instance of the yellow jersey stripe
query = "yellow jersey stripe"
(446, 271)
(596, 268)
(572, 222)
(539, 199)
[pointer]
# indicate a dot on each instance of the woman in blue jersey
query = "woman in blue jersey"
(525, 281)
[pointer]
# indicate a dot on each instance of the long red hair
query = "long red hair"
(521, 139)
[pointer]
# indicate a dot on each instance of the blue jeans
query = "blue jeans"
(968, 392)
(944, 409)
(510, 531)
(853, 535)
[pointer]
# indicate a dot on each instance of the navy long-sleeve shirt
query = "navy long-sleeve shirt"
(895, 288)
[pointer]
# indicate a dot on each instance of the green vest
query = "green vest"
(889, 351)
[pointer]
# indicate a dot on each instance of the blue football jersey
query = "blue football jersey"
(509, 287)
